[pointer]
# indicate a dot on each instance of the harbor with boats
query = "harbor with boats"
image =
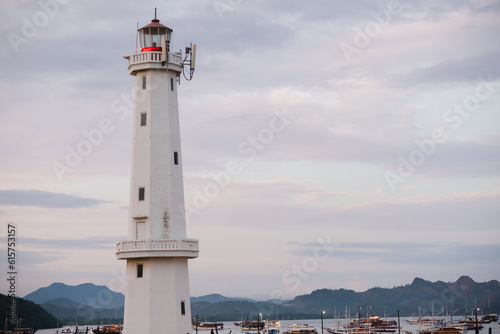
(486, 324)
(370, 325)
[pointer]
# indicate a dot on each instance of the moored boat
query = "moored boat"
(108, 329)
(442, 330)
(301, 331)
(359, 330)
(426, 321)
(298, 326)
(272, 327)
(273, 323)
(371, 325)
(489, 318)
(469, 324)
(249, 325)
(350, 331)
(208, 325)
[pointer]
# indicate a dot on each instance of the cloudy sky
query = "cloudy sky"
(326, 144)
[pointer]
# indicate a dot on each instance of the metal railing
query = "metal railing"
(158, 245)
(154, 56)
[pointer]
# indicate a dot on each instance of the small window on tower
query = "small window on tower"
(144, 82)
(171, 84)
(176, 158)
(139, 270)
(143, 119)
(141, 193)
(183, 307)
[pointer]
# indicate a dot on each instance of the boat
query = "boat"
(442, 330)
(302, 328)
(273, 323)
(372, 325)
(208, 325)
(349, 331)
(272, 327)
(358, 330)
(298, 326)
(301, 331)
(249, 325)
(469, 324)
(108, 329)
(426, 321)
(489, 318)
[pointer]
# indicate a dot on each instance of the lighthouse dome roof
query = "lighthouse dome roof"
(155, 23)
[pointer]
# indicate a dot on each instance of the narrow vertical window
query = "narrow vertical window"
(139, 270)
(141, 193)
(144, 82)
(176, 158)
(143, 119)
(183, 307)
(140, 230)
(171, 84)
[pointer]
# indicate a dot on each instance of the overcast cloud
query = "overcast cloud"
(385, 146)
(45, 199)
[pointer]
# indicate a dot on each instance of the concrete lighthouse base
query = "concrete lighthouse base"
(157, 296)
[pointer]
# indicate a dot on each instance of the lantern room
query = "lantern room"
(152, 36)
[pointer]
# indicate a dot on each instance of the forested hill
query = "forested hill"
(96, 296)
(32, 315)
(430, 297)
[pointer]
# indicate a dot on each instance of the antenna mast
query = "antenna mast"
(137, 35)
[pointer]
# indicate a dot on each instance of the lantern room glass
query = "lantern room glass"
(150, 38)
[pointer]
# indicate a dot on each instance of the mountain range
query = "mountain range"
(93, 304)
(97, 296)
(419, 296)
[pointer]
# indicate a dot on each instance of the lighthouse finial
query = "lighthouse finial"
(155, 13)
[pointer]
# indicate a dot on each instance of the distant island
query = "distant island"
(92, 304)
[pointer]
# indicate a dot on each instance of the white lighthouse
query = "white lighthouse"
(157, 249)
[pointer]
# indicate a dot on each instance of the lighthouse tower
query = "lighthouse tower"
(157, 249)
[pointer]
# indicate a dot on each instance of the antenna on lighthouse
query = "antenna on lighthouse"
(164, 53)
(189, 59)
(193, 56)
(137, 35)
